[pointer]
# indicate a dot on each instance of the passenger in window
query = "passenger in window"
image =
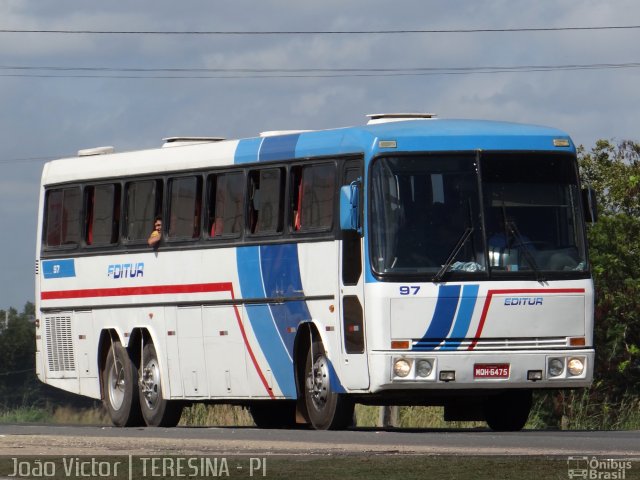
(156, 234)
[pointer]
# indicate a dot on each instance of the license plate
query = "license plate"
(491, 370)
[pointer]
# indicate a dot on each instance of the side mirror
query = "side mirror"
(349, 206)
(589, 205)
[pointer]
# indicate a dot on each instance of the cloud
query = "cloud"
(58, 116)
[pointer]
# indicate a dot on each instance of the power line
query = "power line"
(319, 32)
(261, 73)
(315, 69)
(31, 159)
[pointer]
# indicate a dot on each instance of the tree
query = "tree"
(614, 172)
(18, 383)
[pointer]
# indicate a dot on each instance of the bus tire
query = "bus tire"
(156, 410)
(274, 413)
(508, 411)
(326, 409)
(120, 387)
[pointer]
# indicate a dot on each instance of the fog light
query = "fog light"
(447, 376)
(556, 367)
(534, 375)
(575, 366)
(423, 368)
(401, 368)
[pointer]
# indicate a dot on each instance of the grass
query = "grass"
(578, 411)
(55, 415)
(411, 417)
(366, 416)
(202, 415)
(25, 415)
(563, 410)
(84, 416)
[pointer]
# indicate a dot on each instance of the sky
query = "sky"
(61, 92)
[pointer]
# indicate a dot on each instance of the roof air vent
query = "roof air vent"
(180, 141)
(276, 133)
(89, 152)
(397, 117)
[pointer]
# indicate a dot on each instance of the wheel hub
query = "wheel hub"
(149, 383)
(117, 385)
(318, 382)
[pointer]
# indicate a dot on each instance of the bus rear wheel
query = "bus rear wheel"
(156, 411)
(326, 409)
(120, 387)
(508, 411)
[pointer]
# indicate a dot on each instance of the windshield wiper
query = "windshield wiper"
(454, 253)
(513, 230)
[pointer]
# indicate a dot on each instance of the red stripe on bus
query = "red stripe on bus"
(160, 290)
(249, 350)
(491, 293)
(134, 291)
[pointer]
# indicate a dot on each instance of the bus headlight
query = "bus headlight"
(575, 366)
(556, 367)
(401, 367)
(423, 368)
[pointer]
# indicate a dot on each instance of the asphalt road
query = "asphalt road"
(99, 440)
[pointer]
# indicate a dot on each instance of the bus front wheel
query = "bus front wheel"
(120, 387)
(157, 411)
(327, 409)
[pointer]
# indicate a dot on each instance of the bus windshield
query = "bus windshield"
(513, 214)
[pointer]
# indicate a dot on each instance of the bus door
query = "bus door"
(354, 371)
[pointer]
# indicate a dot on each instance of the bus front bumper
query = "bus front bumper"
(409, 370)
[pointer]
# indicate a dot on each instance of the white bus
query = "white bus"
(410, 261)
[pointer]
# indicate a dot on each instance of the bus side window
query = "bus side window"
(313, 194)
(351, 246)
(143, 203)
(62, 222)
(185, 196)
(102, 214)
(296, 198)
(89, 194)
(226, 193)
(265, 195)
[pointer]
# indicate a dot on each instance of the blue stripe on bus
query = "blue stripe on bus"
(463, 318)
(336, 384)
(247, 150)
(448, 297)
(281, 278)
(280, 147)
(264, 149)
(262, 322)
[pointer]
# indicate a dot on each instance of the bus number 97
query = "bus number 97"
(409, 289)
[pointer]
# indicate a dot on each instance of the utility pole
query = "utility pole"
(388, 417)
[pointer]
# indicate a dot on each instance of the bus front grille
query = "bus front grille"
(491, 343)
